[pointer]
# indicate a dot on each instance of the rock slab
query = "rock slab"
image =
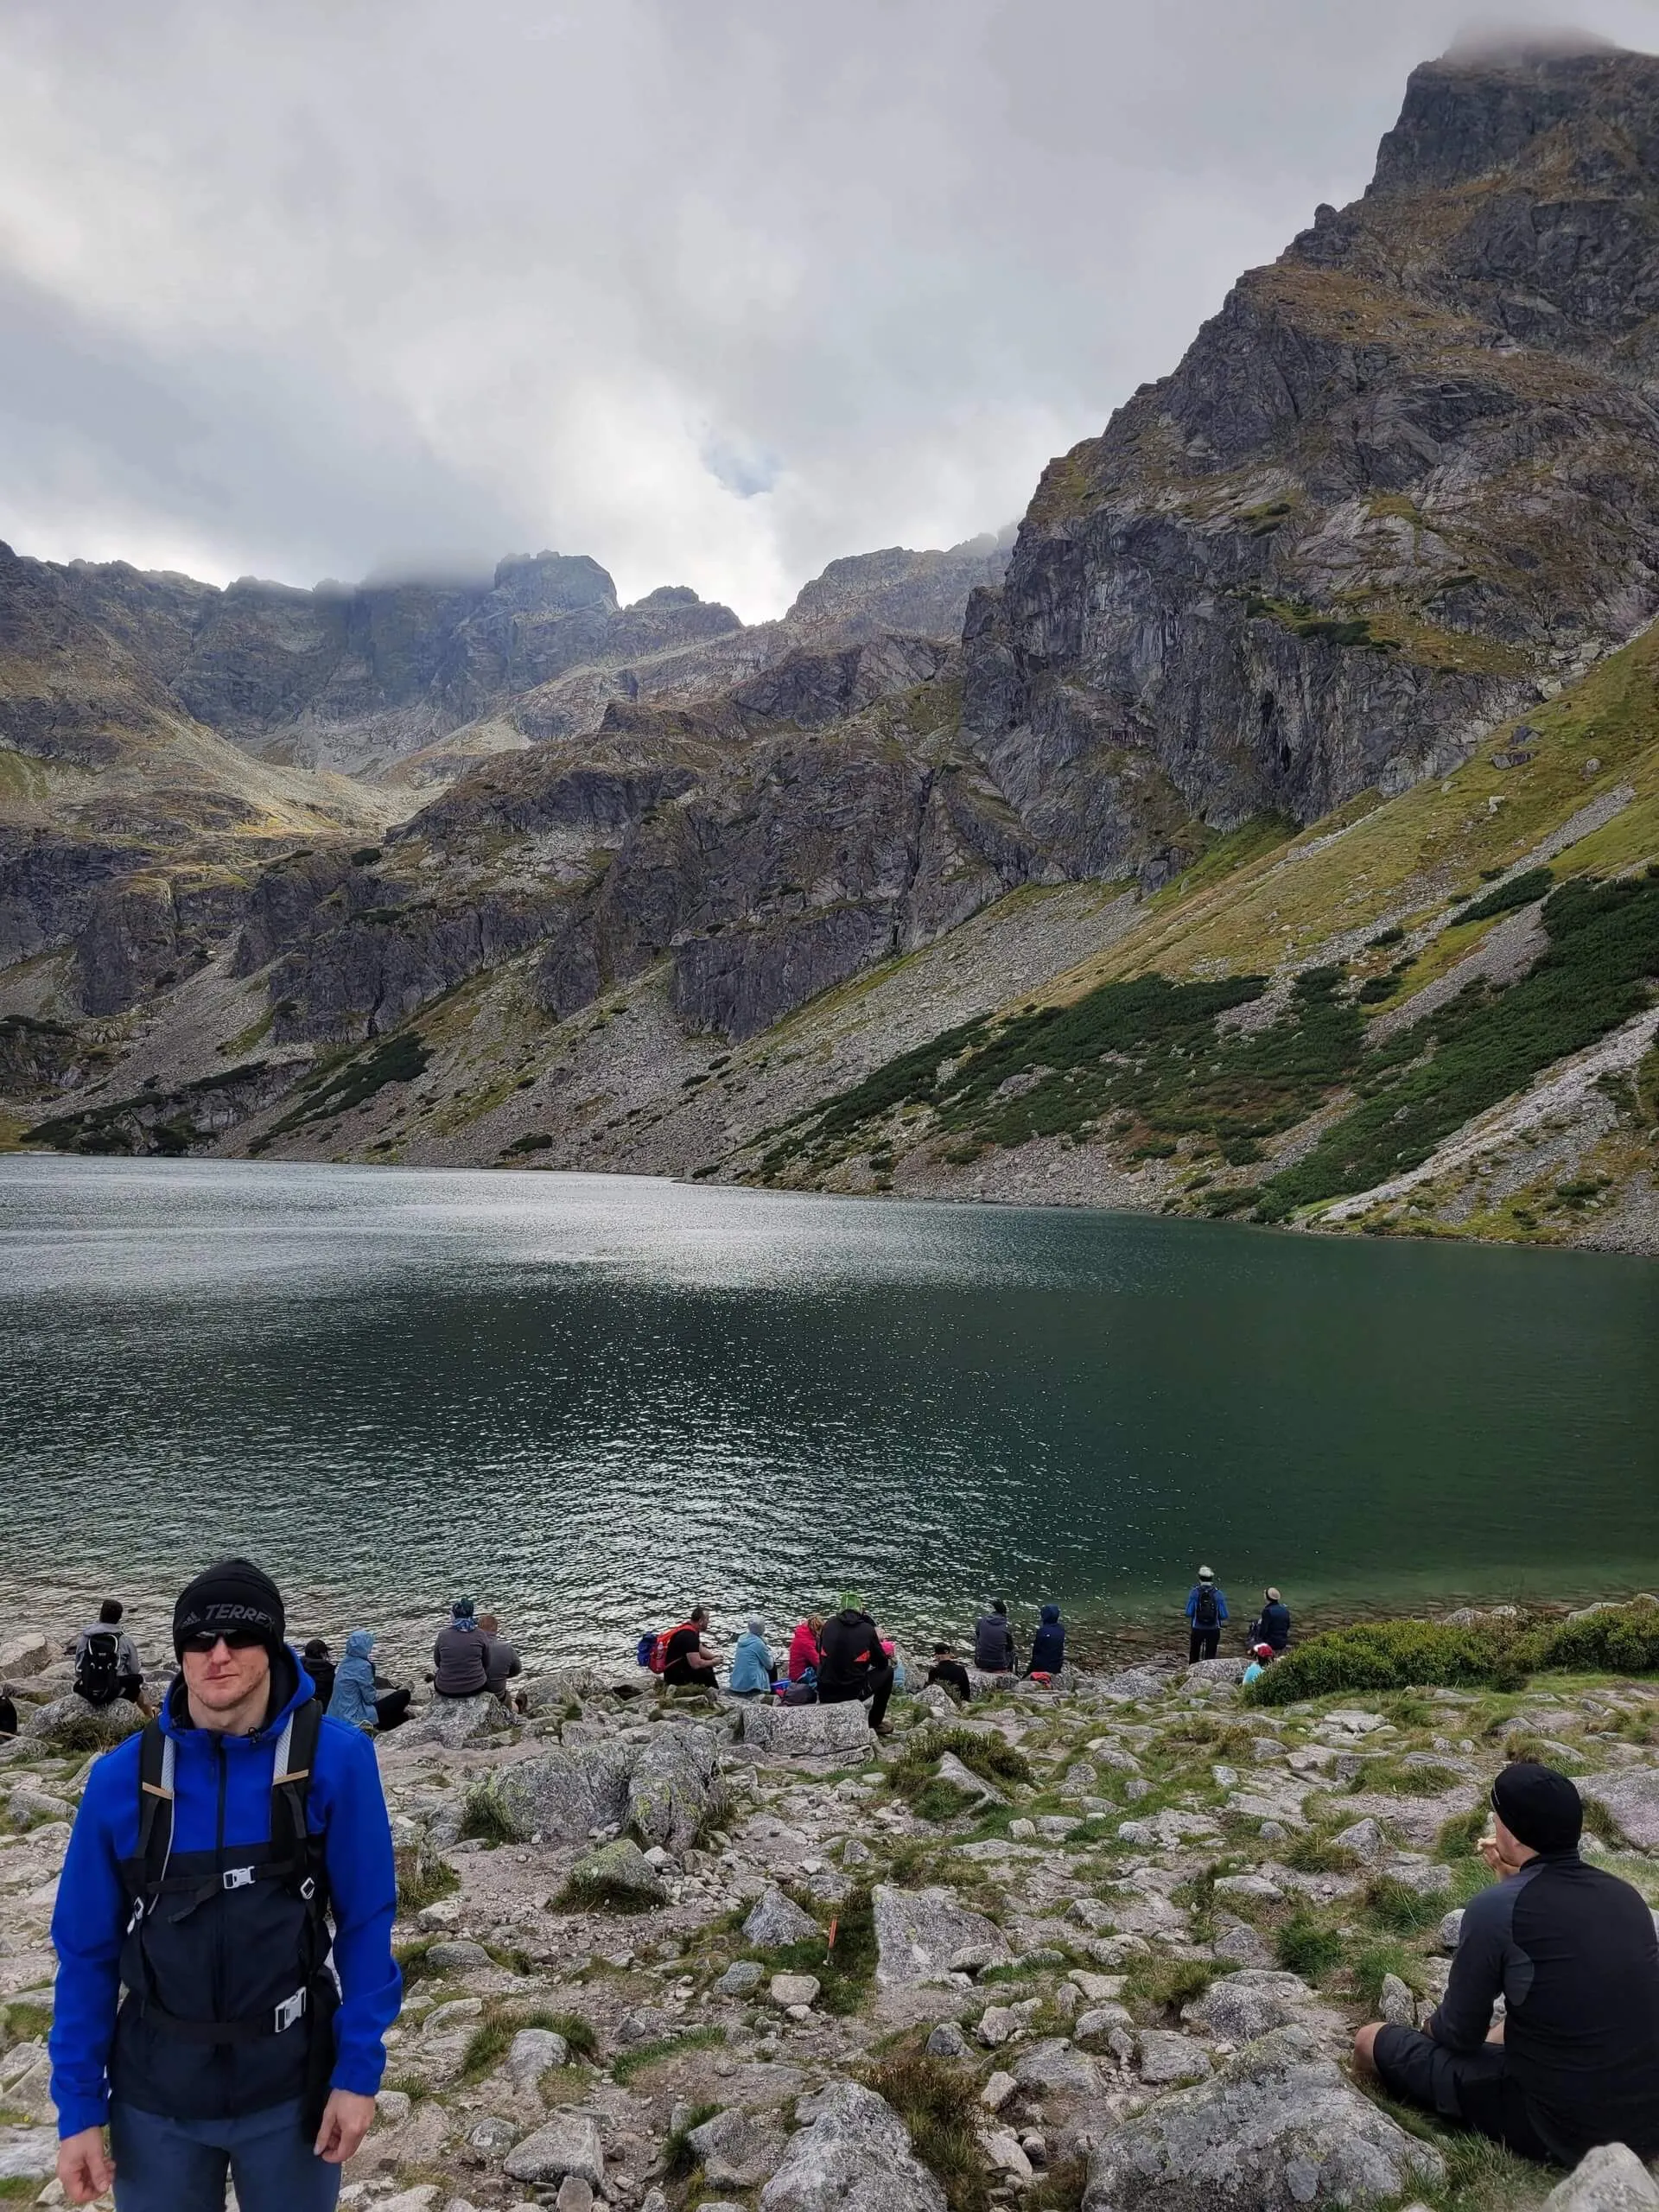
(855, 2157)
(568, 2143)
(924, 1936)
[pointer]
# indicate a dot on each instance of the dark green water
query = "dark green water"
(590, 1398)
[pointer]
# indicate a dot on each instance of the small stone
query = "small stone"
(575, 2194)
(737, 2149)
(1398, 2005)
(568, 2144)
(1100, 2022)
(533, 2052)
(1272, 1831)
(947, 2041)
(456, 1957)
(1366, 1841)
(1243, 1946)
(997, 2091)
(1166, 2058)
(493, 2139)
(741, 1979)
(1003, 2151)
(789, 1990)
(777, 1922)
(1452, 1929)
(997, 2024)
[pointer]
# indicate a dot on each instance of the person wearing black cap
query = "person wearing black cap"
(1572, 1951)
(206, 1854)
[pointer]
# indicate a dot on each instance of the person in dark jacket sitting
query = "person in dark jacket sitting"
(1572, 1951)
(1272, 1626)
(949, 1670)
(461, 1655)
(851, 1662)
(993, 1640)
(319, 1665)
(1048, 1645)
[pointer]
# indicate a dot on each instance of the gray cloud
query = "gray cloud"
(714, 293)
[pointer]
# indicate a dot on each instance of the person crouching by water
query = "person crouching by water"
(207, 1852)
(754, 1670)
(360, 1699)
(1207, 1609)
(852, 1663)
(501, 1663)
(1271, 1625)
(1572, 1951)
(1048, 1645)
(461, 1655)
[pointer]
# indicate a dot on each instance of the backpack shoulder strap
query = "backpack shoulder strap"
(156, 1755)
(290, 1775)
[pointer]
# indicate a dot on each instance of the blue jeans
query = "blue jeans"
(180, 2165)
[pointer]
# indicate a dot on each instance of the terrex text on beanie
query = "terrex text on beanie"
(234, 1594)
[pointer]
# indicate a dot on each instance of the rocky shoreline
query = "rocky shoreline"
(1098, 1946)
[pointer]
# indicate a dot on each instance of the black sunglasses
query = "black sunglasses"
(234, 1639)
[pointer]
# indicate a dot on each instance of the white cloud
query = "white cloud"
(715, 292)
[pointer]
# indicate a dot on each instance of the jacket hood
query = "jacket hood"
(360, 1643)
(1051, 1616)
(291, 1687)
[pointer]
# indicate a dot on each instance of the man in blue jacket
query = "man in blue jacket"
(1207, 1609)
(208, 1850)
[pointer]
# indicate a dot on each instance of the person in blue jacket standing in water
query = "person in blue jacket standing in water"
(210, 1853)
(1207, 1609)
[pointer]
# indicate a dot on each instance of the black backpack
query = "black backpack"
(97, 1670)
(1205, 1614)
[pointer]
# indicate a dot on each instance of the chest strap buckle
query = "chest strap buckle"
(237, 1878)
(290, 2009)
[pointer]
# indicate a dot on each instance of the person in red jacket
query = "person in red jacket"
(803, 1647)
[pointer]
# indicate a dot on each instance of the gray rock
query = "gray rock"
(737, 2149)
(740, 1978)
(575, 2194)
(1630, 1795)
(951, 1770)
(21, 1655)
(1239, 2007)
(618, 1875)
(1366, 1841)
(1164, 2058)
(561, 1795)
(787, 1991)
(453, 1722)
(776, 1921)
(1243, 1945)
(1279, 2126)
(1609, 2179)
(925, 1935)
(31, 2154)
(1452, 1929)
(855, 2157)
(69, 1724)
(1398, 2005)
(676, 1789)
(995, 2025)
(1100, 2022)
(492, 2137)
(533, 2052)
(1055, 2068)
(947, 2041)
(566, 2143)
(455, 1955)
(808, 1730)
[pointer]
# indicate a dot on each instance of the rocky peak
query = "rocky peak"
(1483, 106)
(554, 583)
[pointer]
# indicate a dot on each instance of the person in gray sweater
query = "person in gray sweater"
(461, 1655)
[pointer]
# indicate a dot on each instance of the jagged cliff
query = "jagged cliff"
(1399, 486)
(1171, 882)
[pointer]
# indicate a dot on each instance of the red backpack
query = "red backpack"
(659, 1649)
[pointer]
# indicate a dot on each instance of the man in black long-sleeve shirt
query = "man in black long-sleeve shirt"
(1572, 1953)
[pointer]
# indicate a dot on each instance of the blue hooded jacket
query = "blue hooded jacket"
(1048, 1645)
(353, 1697)
(750, 1663)
(345, 1804)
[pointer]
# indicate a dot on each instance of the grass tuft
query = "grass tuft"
(939, 2102)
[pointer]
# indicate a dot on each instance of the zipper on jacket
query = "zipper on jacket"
(224, 2053)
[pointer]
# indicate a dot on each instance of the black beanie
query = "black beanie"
(1539, 1807)
(233, 1594)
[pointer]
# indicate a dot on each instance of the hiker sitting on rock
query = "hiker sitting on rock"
(753, 1668)
(8, 1713)
(1572, 1951)
(230, 1867)
(461, 1655)
(1272, 1625)
(803, 1648)
(107, 1665)
(993, 1652)
(501, 1663)
(687, 1665)
(1207, 1609)
(1261, 1657)
(359, 1697)
(1048, 1645)
(949, 1670)
(853, 1664)
(319, 1661)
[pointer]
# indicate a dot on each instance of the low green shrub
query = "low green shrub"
(939, 2102)
(1376, 1960)
(1157, 1985)
(1404, 1911)
(1304, 1945)
(679, 2158)
(483, 1818)
(1519, 891)
(641, 2054)
(1311, 1853)
(1383, 1655)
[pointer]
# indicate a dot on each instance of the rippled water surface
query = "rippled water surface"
(589, 1397)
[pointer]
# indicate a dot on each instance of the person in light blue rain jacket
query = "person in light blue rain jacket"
(753, 1670)
(353, 1697)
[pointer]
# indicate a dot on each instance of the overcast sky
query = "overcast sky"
(712, 290)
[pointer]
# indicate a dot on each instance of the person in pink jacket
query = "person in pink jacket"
(803, 1647)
